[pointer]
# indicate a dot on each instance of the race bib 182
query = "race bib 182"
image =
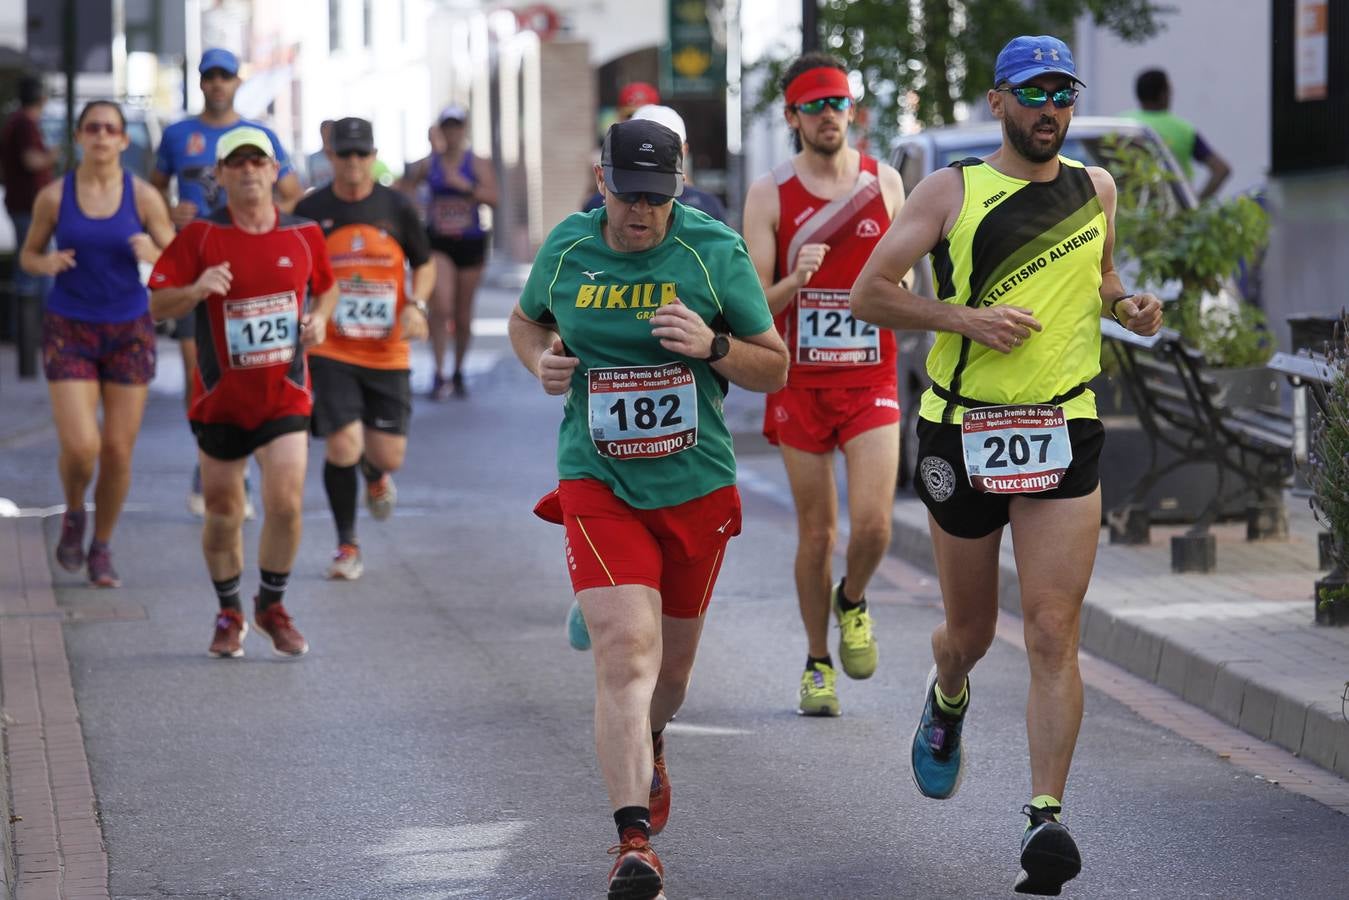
(642, 412)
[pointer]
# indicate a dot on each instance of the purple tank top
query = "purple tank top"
(105, 285)
(452, 213)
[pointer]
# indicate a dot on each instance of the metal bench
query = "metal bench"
(1184, 407)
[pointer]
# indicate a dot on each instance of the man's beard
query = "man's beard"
(822, 149)
(1023, 142)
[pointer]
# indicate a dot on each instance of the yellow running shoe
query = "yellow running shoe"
(818, 697)
(857, 644)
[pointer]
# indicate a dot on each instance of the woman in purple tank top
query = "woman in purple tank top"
(98, 340)
(455, 185)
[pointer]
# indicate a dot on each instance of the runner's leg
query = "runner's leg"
(465, 290)
(222, 539)
(625, 633)
(811, 476)
(872, 465)
(283, 462)
(74, 405)
(1055, 543)
(679, 646)
(385, 451)
(123, 409)
(441, 310)
(343, 452)
(967, 570)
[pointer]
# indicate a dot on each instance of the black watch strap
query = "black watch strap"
(721, 345)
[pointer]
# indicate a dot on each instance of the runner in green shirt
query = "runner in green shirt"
(641, 313)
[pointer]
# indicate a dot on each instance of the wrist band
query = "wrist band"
(1117, 302)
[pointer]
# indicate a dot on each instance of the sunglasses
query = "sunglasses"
(1036, 97)
(239, 160)
(109, 128)
(217, 75)
(632, 197)
(815, 107)
(348, 154)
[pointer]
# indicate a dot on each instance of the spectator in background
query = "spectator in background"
(319, 164)
(27, 165)
(1153, 90)
(701, 200)
(633, 97)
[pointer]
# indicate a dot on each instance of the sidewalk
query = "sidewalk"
(1238, 643)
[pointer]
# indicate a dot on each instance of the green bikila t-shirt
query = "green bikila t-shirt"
(644, 420)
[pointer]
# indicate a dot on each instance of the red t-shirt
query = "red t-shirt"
(829, 348)
(250, 366)
(19, 135)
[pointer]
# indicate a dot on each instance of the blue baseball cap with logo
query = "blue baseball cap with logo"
(219, 58)
(1028, 56)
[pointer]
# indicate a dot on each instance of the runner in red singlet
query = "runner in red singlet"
(810, 226)
(244, 272)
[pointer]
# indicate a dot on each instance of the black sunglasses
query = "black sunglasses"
(348, 154)
(652, 199)
(815, 107)
(217, 75)
(239, 160)
(1036, 97)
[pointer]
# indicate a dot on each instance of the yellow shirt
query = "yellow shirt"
(1036, 245)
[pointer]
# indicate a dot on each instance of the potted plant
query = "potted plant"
(1327, 474)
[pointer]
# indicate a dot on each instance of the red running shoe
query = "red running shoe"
(230, 629)
(659, 803)
(277, 624)
(637, 874)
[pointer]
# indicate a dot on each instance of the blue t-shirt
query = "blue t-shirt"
(187, 151)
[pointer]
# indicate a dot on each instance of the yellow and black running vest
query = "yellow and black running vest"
(1036, 245)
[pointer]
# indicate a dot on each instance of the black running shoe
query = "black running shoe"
(1049, 858)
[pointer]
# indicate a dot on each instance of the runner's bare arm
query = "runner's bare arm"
(154, 216)
(485, 191)
(33, 257)
(1140, 313)
(892, 192)
(174, 302)
(757, 363)
(540, 350)
(878, 297)
(761, 239)
(288, 192)
(315, 323)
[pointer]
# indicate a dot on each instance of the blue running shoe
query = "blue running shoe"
(936, 757)
(1049, 856)
(578, 635)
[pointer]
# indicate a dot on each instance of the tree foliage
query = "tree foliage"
(922, 57)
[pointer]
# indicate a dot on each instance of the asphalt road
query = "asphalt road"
(437, 740)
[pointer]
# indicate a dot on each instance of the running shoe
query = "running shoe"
(637, 873)
(101, 572)
(277, 624)
(818, 696)
(857, 644)
(346, 564)
(659, 804)
(230, 628)
(578, 633)
(936, 756)
(441, 390)
(1049, 857)
(196, 503)
(457, 385)
(380, 497)
(70, 549)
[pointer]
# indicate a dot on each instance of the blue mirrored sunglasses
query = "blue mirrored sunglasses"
(652, 199)
(815, 107)
(1036, 97)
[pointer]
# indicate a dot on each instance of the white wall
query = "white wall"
(614, 27)
(13, 30)
(1217, 55)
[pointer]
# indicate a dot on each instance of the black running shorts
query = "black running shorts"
(344, 393)
(964, 512)
(232, 442)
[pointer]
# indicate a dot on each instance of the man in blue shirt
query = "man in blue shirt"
(187, 154)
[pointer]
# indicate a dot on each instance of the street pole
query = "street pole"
(810, 27)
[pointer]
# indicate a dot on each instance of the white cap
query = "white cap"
(663, 115)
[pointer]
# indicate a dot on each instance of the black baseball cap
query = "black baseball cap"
(642, 155)
(353, 134)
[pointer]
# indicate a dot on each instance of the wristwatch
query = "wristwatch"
(721, 345)
(420, 306)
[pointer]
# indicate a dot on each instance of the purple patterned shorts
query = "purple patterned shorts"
(116, 352)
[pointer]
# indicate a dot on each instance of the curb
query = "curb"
(1243, 692)
(57, 838)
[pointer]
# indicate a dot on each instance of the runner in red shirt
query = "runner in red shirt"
(245, 271)
(810, 226)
